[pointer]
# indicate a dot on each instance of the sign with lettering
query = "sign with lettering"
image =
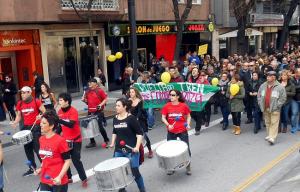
(157, 95)
(203, 49)
(157, 28)
(17, 38)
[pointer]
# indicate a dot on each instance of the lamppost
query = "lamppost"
(133, 39)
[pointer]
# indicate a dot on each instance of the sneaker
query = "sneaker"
(197, 133)
(90, 145)
(84, 183)
(28, 173)
(271, 141)
(170, 172)
(150, 154)
(267, 138)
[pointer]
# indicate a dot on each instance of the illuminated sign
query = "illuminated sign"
(158, 28)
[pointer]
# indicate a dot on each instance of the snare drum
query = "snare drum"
(89, 127)
(22, 137)
(173, 155)
(113, 174)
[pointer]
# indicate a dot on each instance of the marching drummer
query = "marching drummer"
(68, 118)
(126, 129)
(96, 99)
(55, 155)
(176, 116)
(28, 109)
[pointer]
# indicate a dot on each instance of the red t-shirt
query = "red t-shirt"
(51, 150)
(94, 98)
(70, 133)
(172, 112)
(29, 111)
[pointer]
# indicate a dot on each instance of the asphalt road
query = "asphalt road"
(221, 161)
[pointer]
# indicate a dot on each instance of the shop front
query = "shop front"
(72, 58)
(157, 39)
(20, 55)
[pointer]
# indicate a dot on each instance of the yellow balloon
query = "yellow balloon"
(234, 89)
(111, 58)
(165, 77)
(119, 55)
(215, 81)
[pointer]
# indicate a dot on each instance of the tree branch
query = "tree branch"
(77, 12)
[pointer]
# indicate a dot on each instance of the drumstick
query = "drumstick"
(48, 177)
(177, 118)
(10, 117)
(122, 143)
(33, 124)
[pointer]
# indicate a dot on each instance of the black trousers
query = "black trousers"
(207, 112)
(34, 145)
(100, 116)
(236, 118)
(184, 136)
(54, 188)
(75, 156)
(198, 117)
(10, 108)
(248, 102)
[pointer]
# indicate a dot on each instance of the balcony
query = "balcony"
(98, 5)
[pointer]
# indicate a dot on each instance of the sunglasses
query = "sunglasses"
(173, 95)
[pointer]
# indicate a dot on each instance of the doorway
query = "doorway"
(8, 66)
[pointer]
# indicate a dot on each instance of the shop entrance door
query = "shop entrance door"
(8, 66)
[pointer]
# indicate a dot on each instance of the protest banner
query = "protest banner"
(157, 95)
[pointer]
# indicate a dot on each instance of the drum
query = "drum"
(173, 155)
(89, 127)
(22, 137)
(113, 174)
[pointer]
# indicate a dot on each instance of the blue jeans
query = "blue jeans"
(257, 114)
(134, 163)
(151, 117)
(295, 106)
(225, 114)
(284, 116)
(1, 177)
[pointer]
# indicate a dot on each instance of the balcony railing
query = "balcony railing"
(97, 5)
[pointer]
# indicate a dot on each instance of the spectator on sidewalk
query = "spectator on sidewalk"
(47, 97)
(38, 80)
(9, 99)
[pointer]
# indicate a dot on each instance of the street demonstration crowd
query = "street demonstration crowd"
(266, 86)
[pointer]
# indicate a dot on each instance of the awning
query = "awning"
(248, 32)
(294, 32)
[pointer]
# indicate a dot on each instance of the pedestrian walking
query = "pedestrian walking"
(271, 97)
(96, 99)
(69, 121)
(176, 116)
(126, 129)
(9, 96)
(28, 111)
(55, 155)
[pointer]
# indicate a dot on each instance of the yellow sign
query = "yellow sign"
(202, 49)
(211, 27)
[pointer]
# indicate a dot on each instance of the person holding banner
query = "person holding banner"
(236, 104)
(196, 115)
(176, 116)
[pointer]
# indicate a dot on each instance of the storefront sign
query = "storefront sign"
(157, 95)
(158, 28)
(16, 38)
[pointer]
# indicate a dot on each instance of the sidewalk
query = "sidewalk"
(77, 103)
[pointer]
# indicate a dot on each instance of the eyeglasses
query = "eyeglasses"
(173, 95)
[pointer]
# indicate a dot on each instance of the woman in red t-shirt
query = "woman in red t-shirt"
(55, 155)
(176, 116)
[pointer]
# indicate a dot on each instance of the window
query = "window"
(197, 2)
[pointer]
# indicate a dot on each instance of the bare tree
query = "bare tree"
(241, 9)
(287, 19)
(180, 20)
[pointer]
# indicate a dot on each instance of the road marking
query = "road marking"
(90, 172)
(266, 168)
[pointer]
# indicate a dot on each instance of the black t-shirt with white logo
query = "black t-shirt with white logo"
(126, 130)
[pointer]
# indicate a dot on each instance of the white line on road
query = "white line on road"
(90, 172)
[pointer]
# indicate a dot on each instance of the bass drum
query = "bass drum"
(89, 127)
(113, 174)
(173, 155)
